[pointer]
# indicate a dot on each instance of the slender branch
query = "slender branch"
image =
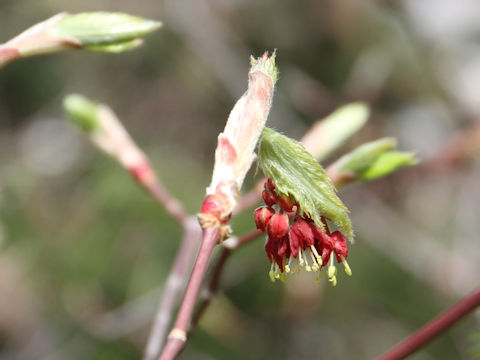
(114, 139)
(211, 289)
(178, 335)
(251, 198)
(172, 290)
(462, 145)
(214, 281)
(108, 134)
(170, 203)
(432, 329)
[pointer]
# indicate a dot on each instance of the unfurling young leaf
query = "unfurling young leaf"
(299, 176)
(374, 159)
(389, 162)
(103, 31)
(96, 31)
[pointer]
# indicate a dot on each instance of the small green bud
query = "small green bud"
(299, 176)
(82, 112)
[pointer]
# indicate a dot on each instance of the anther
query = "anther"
(346, 266)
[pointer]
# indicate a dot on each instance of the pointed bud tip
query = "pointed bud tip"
(270, 198)
(82, 111)
(265, 64)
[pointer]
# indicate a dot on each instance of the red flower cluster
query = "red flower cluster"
(301, 244)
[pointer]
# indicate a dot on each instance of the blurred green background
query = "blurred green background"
(84, 252)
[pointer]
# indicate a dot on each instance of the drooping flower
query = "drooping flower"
(295, 242)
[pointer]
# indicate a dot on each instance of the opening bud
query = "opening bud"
(269, 185)
(270, 198)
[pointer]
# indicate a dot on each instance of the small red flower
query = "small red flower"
(270, 185)
(270, 198)
(277, 227)
(262, 217)
(340, 246)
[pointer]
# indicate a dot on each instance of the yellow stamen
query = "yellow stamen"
(332, 271)
(300, 258)
(271, 273)
(307, 265)
(346, 266)
(287, 267)
(317, 256)
(315, 266)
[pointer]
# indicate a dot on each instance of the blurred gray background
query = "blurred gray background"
(84, 252)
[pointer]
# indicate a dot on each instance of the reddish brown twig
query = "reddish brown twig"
(173, 286)
(170, 203)
(178, 335)
(462, 145)
(432, 329)
(214, 281)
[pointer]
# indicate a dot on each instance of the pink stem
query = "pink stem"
(214, 281)
(173, 286)
(432, 329)
(177, 337)
(173, 207)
